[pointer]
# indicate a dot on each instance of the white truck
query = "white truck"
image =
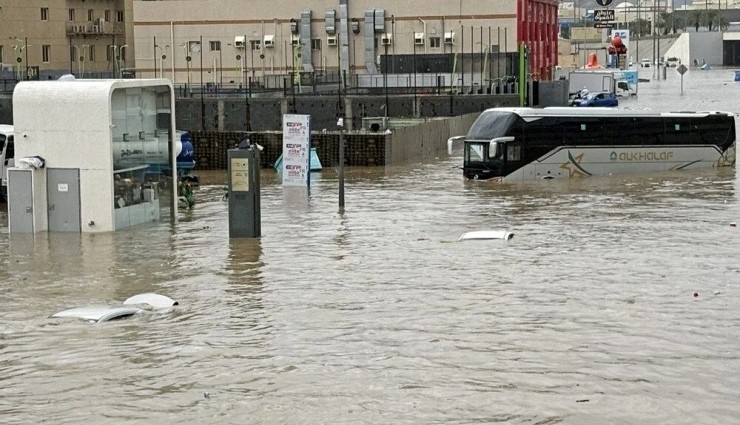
(598, 81)
(7, 152)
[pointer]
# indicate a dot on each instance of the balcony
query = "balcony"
(98, 27)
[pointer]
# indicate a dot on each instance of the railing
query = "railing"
(94, 28)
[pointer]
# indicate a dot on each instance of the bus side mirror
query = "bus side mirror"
(493, 149)
(452, 140)
(493, 146)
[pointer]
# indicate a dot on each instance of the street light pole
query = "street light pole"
(202, 101)
(25, 48)
(385, 81)
(122, 59)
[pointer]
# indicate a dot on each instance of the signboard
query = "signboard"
(681, 69)
(603, 15)
(604, 25)
(239, 175)
(296, 148)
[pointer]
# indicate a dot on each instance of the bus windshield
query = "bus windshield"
(475, 152)
(491, 124)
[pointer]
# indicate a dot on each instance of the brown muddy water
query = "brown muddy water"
(616, 302)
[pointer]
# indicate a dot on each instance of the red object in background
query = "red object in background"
(617, 47)
(537, 27)
(593, 62)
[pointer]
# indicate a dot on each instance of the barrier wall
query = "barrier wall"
(426, 140)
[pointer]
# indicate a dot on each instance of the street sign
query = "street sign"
(604, 25)
(601, 15)
(682, 69)
(604, 3)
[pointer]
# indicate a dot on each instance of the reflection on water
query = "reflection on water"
(379, 315)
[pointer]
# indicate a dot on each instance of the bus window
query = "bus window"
(10, 152)
(513, 152)
(476, 152)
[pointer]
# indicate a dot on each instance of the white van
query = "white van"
(7, 153)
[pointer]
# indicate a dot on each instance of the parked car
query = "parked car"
(645, 63)
(598, 99)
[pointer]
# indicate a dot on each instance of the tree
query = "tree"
(640, 27)
(722, 23)
(696, 17)
(707, 18)
(662, 22)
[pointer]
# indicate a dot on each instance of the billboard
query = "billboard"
(296, 148)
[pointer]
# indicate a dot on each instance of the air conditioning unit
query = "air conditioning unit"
(386, 39)
(269, 41)
(295, 40)
(240, 41)
(331, 40)
(449, 37)
(419, 38)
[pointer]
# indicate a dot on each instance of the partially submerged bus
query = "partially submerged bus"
(531, 144)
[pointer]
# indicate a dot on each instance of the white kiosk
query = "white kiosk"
(90, 154)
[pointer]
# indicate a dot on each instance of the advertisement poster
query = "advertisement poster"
(296, 148)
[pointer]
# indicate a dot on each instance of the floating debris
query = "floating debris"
(486, 234)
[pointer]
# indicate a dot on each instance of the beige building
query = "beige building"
(228, 41)
(44, 38)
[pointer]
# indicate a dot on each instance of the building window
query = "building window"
(2, 56)
(119, 15)
(71, 15)
(107, 16)
(435, 42)
(255, 44)
(45, 53)
(72, 53)
(109, 53)
(315, 44)
(90, 15)
(44, 13)
(215, 46)
(92, 54)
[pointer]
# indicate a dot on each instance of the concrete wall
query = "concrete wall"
(681, 49)
(705, 47)
(266, 113)
(426, 140)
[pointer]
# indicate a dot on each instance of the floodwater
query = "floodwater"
(616, 302)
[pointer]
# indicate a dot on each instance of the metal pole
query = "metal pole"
(25, 47)
(202, 101)
(154, 55)
(248, 84)
(341, 164)
(340, 123)
(413, 46)
(385, 81)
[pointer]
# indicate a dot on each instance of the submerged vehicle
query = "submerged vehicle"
(597, 99)
(530, 144)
